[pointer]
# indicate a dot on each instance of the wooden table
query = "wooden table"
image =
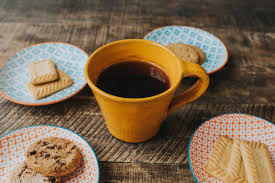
(245, 85)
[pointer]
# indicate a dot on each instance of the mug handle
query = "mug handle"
(194, 92)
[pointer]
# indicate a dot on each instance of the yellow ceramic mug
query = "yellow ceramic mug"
(139, 119)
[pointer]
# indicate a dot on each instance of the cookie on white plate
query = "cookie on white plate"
(23, 174)
(53, 156)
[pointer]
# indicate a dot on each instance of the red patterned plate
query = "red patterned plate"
(14, 144)
(240, 126)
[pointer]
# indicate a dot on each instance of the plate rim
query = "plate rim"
(43, 103)
(98, 177)
(227, 54)
(189, 143)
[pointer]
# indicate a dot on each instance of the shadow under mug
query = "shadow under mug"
(139, 119)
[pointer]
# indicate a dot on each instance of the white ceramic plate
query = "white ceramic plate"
(239, 126)
(14, 71)
(213, 48)
(14, 144)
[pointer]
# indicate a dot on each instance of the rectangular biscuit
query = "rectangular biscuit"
(257, 162)
(42, 72)
(43, 90)
(236, 172)
(219, 159)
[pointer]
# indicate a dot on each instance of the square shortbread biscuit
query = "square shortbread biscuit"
(46, 89)
(42, 72)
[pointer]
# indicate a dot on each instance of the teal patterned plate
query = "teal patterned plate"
(213, 48)
(14, 71)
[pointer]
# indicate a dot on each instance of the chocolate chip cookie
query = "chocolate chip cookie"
(23, 174)
(53, 156)
(185, 52)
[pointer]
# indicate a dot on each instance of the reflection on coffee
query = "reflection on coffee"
(133, 79)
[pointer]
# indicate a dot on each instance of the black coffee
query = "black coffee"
(133, 79)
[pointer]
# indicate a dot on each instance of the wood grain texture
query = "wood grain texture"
(253, 15)
(245, 85)
(84, 117)
(144, 172)
(247, 78)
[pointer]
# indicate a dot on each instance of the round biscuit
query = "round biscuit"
(185, 52)
(202, 56)
(53, 156)
(23, 174)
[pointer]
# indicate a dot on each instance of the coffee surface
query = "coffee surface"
(133, 79)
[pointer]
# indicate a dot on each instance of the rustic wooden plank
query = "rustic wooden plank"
(255, 15)
(84, 117)
(144, 172)
(88, 36)
(247, 78)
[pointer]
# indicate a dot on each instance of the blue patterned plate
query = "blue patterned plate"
(14, 71)
(213, 48)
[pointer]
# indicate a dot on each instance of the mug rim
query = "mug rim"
(116, 98)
